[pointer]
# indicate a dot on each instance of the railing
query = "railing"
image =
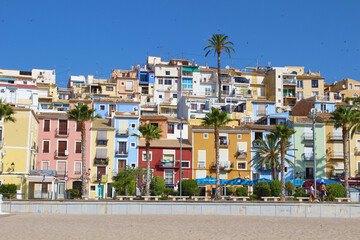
(121, 153)
(357, 151)
(201, 165)
(261, 112)
(224, 165)
(62, 132)
(164, 164)
(224, 142)
(242, 80)
(122, 132)
(77, 172)
(226, 92)
(308, 156)
(187, 74)
(255, 144)
(289, 81)
(322, 98)
(289, 95)
(62, 154)
(337, 155)
(308, 136)
(241, 154)
(335, 137)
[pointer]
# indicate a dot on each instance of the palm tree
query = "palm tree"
(348, 119)
(6, 112)
(283, 134)
(218, 43)
(81, 114)
(149, 132)
(216, 119)
(267, 153)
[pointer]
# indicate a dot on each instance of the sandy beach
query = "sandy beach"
(56, 226)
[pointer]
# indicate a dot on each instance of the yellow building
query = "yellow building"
(18, 149)
(101, 158)
(234, 154)
(347, 88)
(309, 84)
(354, 156)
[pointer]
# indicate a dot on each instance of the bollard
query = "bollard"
(1, 201)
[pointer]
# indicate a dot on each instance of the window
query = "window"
(61, 168)
(187, 83)
(133, 125)
(168, 81)
(206, 136)
(78, 126)
(299, 95)
(167, 72)
(309, 172)
(315, 93)
(93, 188)
(160, 96)
(45, 165)
(25, 82)
(299, 83)
(255, 176)
(160, 81)
(315, 83)
(155, 124)
(46, 146)
(223, 141)
(132, 144)
(286, 169)
(201, 158)
(144, 155)
(174, 95)
(185, 164)
(102, 107)
(351, 86)
(129, 85)
(170, 128)
(77, 167)
(207, 91)
(108, 88)
(77, 147)
(241, 165)
(122, 148)
(180, 126)
(46, 125)
(133, 165)
(169, 176)
(239, 136)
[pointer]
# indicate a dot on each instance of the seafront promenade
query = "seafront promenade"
(287, 209)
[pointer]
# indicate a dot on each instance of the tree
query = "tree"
(216, 44)
(149, 132)
(346, 118)
(216, 119)
(81, 114)
(267, 154)
(6, 112)
(283, 134)
(125, 181)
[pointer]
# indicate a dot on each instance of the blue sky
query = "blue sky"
(93, 37)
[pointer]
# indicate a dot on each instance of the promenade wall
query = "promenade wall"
(328, 210)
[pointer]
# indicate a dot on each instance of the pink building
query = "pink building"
(59, 142)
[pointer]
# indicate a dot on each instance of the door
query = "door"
(61, 190)
(121, 165)
(100, 191)
(62, 147)
(109, 190)
(12, 96)
(100, 171)
(111, 109)
(77, 185)
(63, 127)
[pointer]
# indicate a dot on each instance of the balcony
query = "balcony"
(241, 80)
(121, 153)
(62, 154)
(226, 92)
(62, 132)
(308, 136)
(289, 81)
(335, 137)
(337, 155)
(201, 165)
(223, 142)
(224, 165)
(241, 154)
(165, 164)
(289, 95)
(308, 156)
(256, 144)
(104, 161)
(322, 98)
(61, 174)
(122, 132)
(357, 151)
(261, 112)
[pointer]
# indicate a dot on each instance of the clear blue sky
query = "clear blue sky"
(90, 37)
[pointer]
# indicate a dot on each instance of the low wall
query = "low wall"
(186, 208)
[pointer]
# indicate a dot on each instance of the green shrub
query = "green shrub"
(261, 189)
(190, 187)
(300, 192)
(242, 192)
(230, 191)
(8, 188)
(335, 190)
(157, 186)
(253, 197)
(275, 187)
(74, 193)
(124, 182)
(289, 186)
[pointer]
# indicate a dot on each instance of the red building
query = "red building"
(165, 159)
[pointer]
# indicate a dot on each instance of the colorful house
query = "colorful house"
(18, 150)
(105, 107)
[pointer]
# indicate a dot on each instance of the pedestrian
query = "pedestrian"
(323, 191)
(312, 193)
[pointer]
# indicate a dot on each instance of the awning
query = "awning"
(238, 181)
(190, 69)
(57, 104)
(210, 180)
(101, 153)
(102, 135)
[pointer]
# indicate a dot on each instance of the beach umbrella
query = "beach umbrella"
(238, 181)
(326, 181)
(210, 180)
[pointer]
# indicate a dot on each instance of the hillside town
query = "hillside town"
(41, 151)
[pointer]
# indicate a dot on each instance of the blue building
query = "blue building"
(105, 107)
(262, 108)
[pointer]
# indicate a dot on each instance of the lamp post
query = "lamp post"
(313, 115)
(181, 127)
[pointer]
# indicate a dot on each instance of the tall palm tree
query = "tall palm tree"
(149, 132)
(6, 112)
(81, 114)
(216, 119)
(283, 134)
(346, 118)
(267, 153)
(218, 43)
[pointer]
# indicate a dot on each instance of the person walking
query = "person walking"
(312, 193)
(323, 191)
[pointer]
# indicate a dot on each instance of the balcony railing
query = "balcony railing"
(308, 156)
(261, 112)
(337, 155)
(77, 172)
(241, 154)
(62, 132)
(289, 81)
(62, 154)
(323, 98)
(224, 165)
(201, 165)
(121, 152)
(357, 151)
(103, 161)
(122, 132)
(224, 142)
(308, 136)
(335, 137)
(166, 164)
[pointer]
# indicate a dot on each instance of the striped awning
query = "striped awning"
(101, 153)
(102, 135)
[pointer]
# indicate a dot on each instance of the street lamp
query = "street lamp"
(181, 128)
(313, 116)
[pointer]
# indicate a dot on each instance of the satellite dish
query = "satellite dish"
(344, 86)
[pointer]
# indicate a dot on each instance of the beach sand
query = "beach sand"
(55, 226)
